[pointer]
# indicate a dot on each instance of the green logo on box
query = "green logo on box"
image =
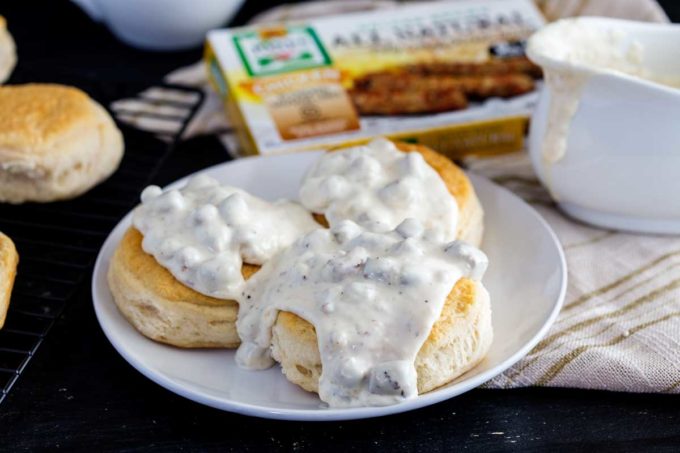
(279, 50)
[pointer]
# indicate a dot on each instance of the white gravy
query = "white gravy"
(203, 232)
(372, 298)
(378, 186)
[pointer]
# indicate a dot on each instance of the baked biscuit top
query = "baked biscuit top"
(34, 116)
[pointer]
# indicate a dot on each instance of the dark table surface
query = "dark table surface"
(77, 393)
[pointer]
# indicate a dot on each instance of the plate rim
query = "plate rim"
(338, 414)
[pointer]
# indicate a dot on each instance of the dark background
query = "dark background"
(78, 394)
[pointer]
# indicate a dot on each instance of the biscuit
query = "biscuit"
(9, 259)
(162, 308)
(55, 143)
(458, 341)
(8, 54)
(471, 215)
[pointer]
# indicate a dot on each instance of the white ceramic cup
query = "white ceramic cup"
(621, 168)
(161, 24)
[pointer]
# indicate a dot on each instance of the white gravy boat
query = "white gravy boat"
(606, 142)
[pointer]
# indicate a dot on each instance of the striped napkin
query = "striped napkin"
(620, 327)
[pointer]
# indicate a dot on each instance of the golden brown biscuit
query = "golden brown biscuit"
(162, 308)
(471, 215)
(459, 340)
(9, 259)
(55, 143)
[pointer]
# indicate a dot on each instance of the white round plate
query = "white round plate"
(526, 279)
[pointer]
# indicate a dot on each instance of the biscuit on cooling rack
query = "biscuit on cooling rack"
(55, 143)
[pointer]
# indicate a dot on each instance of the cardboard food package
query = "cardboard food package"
(449, 75)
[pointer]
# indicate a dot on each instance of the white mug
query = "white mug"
(161, 24)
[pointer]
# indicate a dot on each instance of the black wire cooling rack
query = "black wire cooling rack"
(58, 242)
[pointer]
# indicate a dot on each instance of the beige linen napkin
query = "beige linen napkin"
(620, 327)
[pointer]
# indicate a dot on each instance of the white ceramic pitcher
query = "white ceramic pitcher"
(620, 167)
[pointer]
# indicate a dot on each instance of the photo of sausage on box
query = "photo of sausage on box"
(438, 87)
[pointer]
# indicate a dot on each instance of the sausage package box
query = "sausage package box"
(449, 75)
